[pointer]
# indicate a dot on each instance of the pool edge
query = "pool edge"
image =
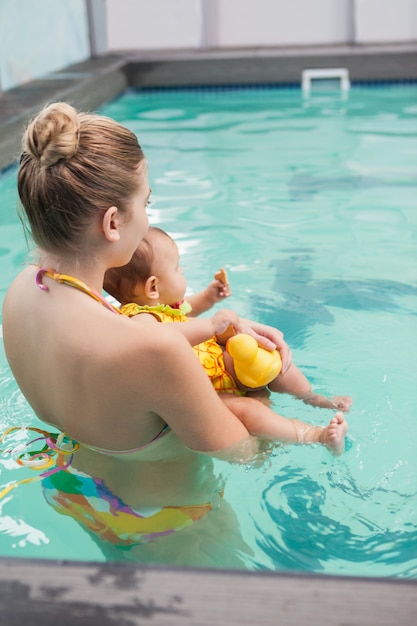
(89, 84)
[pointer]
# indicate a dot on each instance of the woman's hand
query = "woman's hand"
(269, 338)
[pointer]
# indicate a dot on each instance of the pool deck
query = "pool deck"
(91, 594)
(87, 594)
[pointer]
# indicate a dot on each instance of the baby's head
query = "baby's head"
(152, 276)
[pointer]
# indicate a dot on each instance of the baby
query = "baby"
(153, 284)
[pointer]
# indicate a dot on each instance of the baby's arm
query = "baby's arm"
(198, 330)
(216, 291)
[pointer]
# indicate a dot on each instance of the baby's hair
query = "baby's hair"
(74, 165)
(120, 282)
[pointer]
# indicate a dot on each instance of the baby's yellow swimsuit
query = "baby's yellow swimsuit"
(209, 353)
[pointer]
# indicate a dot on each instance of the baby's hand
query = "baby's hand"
(220, 287)
(217, 291)
(223, 319)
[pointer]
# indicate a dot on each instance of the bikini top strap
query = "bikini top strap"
(72, 282)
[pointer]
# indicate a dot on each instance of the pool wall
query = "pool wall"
(90, 83)
(45, 36)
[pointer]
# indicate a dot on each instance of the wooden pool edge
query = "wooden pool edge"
(87, 594)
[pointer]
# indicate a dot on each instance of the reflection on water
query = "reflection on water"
(303, 301)
(304, 186)
(309, 535)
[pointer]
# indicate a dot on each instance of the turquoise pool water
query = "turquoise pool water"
(310, 204)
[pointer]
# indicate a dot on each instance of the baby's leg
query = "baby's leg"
(296, 384)
(260, 420)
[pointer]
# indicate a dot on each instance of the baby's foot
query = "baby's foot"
(333, 436)
(342, 403)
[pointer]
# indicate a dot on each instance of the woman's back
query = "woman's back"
(72, 349)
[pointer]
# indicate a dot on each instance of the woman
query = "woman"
(132, 394)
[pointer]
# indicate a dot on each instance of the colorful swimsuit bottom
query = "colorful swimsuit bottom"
(209, 353)
(94, 506)
(88, 501)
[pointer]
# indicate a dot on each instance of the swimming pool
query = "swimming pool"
(310, 205)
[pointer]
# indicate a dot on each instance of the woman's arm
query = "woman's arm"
(180, 392)
(226, 323)
(198, 330)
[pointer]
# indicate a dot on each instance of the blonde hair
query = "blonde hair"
(73, 165)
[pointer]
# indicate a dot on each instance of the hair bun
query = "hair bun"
(53, 135)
